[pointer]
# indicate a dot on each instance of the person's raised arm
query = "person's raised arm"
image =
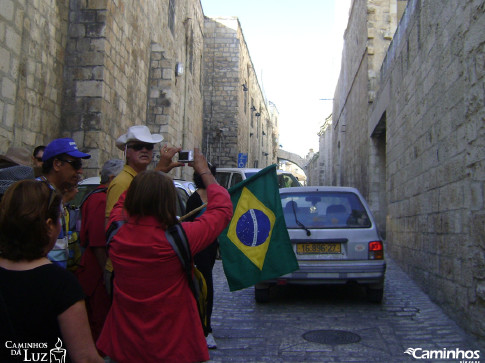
(204, 229)
(201, 167)
(166, 163)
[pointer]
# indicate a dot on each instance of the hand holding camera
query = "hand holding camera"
(166, 163)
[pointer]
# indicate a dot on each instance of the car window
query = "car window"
(191, 187)
(287, 181)
(83, 191)
(236, 178)
(223, 178)
(323, 210)
(249, 174)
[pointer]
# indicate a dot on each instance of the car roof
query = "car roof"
(186, 184)
(322, 188)
(245, 170)
(279, 171)
(91, 180)
(251, 170)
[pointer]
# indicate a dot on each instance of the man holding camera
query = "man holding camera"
(137, 144)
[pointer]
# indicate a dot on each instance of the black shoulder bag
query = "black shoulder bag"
(177, 238)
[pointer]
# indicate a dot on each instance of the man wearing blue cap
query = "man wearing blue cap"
(62, 168)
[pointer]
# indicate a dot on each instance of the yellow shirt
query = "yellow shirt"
(117, 186)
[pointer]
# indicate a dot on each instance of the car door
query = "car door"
(223, 178)
(235, 178)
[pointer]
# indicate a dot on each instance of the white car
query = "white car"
(227, 177)
(335, 240)
(184, 189)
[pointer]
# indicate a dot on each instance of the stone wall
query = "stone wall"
(89, 69)
(434, 76)
(422, 145)
(122, 71)
(33, 36)
(237, 118)
(323, 165)
(222, 93)
(368, 34)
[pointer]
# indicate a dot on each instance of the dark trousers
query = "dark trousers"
(205, 261)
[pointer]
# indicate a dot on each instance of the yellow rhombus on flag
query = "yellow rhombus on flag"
(249, 205)
(256, 246)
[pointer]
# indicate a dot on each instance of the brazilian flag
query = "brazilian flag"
(255, 246)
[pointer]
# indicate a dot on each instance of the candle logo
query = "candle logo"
(58, 354)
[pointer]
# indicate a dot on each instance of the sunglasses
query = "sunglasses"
(76, 163)
(138, 147)
(38, 159)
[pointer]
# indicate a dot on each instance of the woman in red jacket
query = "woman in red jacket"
(154, 317)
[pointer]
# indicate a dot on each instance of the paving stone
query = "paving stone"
(273, 332)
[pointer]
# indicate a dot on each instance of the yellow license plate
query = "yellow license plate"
(317, 248)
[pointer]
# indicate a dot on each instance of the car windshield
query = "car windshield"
(250, 174)
(322, 210)
(285, 180)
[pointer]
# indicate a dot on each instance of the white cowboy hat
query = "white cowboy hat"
(138, 133)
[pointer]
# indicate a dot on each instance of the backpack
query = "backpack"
(73, 221)
(177, 238)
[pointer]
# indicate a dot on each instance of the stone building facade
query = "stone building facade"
(366, 39)
(408, 131)
(89, 69)
(321, 168)
(237, 118)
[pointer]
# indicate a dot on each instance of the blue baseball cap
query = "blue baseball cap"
(63, 146)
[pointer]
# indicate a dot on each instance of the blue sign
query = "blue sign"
(242, 160)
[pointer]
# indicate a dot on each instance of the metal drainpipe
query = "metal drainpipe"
(184, 116)
(184, 119)
(248, 120)
(210, 127)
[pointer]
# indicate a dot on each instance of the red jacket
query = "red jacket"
(90, 273)
(154, 316)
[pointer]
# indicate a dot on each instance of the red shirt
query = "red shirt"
(154, 316)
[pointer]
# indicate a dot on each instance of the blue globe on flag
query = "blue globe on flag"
(253, 228)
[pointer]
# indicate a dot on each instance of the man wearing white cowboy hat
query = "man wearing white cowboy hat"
(138, 144)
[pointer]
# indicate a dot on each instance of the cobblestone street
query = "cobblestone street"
(273, 332)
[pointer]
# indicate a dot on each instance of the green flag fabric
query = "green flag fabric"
(255, 246)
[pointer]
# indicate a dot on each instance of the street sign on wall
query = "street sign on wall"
(242, 159)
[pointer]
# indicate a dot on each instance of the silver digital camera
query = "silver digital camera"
(186, 156)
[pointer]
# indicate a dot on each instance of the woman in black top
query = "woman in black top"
(206, 258)
(42, 311)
